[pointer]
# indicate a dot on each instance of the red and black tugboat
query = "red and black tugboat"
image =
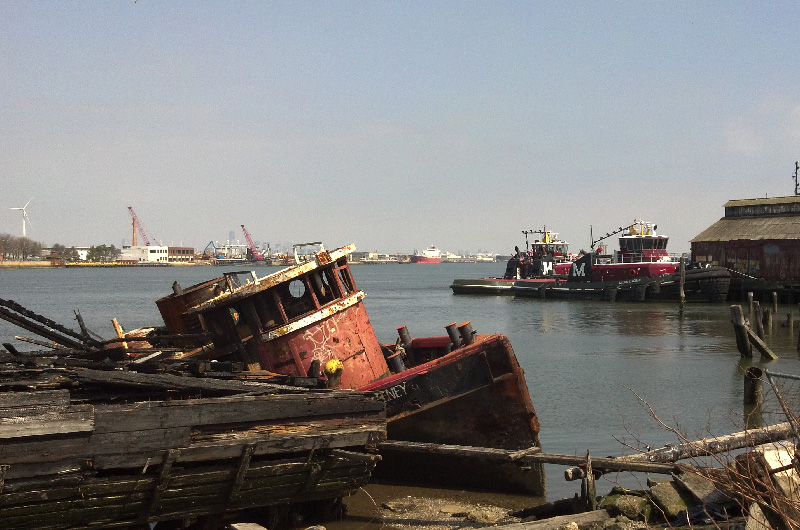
(461, 388)
(642, 253)
(640, 269)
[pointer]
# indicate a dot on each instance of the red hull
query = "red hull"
(423, 259)
(606, 272)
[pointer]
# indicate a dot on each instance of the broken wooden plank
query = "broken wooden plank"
(192, 490)
(268, 444)
(50, 398)
(284, 408)
(40, 421)
(583, 520)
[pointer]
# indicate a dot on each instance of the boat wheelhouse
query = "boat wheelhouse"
(549, 245)
(640, 243)
(540, 257)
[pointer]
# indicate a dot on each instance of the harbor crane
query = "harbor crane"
(137, 225)
(257, 255)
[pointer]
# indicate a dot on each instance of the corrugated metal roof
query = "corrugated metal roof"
(769, 200)
(755, 228)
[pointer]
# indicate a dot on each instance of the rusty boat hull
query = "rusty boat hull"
(309, 320)
(475, 395)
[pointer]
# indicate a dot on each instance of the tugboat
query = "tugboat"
(461, 388)
(536, 263)
(641, 253)
(541, 257)
(640, 269)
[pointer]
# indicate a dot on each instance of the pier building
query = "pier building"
(759, 238)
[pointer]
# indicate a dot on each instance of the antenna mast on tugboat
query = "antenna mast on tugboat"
(526, 232)
(796, 185)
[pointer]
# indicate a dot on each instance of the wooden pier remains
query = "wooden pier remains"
(102, 449)
(746, 338)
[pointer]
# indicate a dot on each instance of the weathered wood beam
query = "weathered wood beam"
(126, 450)
(760, 345)
(607, 464)
(48, 398)
(704, 447)
(740, 329)
(40, 330)
(39, 421)
(583, 520)
(31, 317)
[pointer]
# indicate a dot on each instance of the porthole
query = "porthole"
(297, 288)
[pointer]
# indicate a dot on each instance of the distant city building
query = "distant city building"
(180, 254)
(148, 254)
(83, 252)
(362, 256)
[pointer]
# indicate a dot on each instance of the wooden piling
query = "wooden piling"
(766, 320)
(753, 386)
(589, 485)
(740, 329)
(798, 343)
(750, 304)
(775, 302)
(790, 323)
(757, 319)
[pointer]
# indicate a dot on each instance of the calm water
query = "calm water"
(585, 362)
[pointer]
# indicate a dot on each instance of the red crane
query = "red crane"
(256, 254)
(137, 225)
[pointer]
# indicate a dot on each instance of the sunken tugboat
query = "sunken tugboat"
(461, 389)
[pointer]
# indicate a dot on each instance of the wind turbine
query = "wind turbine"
(24, 216)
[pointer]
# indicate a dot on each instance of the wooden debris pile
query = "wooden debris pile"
(117, 448)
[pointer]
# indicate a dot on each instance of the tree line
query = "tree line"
(22, 248)
(19, 248)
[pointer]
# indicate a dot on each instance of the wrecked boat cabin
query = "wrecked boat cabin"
(461, 388)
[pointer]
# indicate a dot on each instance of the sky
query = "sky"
(393, 125)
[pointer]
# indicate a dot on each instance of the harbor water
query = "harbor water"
(598, 372)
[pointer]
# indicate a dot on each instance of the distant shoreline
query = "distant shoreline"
(46, 264)
(5, 264)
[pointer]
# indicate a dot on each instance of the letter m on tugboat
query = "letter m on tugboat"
(581, 269)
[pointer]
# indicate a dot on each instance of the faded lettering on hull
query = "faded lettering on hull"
(394, 392)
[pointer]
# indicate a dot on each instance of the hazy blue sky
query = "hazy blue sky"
(392, 124)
